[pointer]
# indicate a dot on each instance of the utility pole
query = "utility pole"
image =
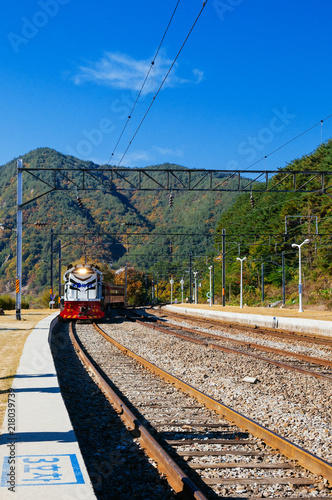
(52, 245)
(59, 274)
(283, 279)
(241, 282)
(18, 284)
(223, 266)
(213, 283)
(190, 281)
(263, 297)
(126, 283)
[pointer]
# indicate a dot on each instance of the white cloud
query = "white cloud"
(141, 158)
(121, 71)
(169, 151)
(132, 158)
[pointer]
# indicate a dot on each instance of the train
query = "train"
(86, 296)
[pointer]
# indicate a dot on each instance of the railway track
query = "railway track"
(266, 332)
(307, 365)
(211, 446)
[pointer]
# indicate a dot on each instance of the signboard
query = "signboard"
(47, 470)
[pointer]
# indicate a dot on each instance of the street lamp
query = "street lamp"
(294, 245)
(195, 276)
(182, 283)
(210, 267)
(171, 282)
(241, 260)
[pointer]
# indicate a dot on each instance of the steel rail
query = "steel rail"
(302, 337)
(178, 480)
(281, 364)
(291, 450)
(260, 347)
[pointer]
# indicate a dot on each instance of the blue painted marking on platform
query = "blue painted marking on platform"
(37, 470)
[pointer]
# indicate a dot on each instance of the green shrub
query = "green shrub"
(9, 303)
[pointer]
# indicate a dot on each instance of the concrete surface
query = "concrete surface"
(39, 454)
(281, 322)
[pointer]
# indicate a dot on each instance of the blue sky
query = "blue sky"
(253, 75)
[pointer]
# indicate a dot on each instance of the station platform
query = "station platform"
(309, 322)
(39, 454)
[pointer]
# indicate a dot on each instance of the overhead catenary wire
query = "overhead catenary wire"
(291, 140)
(144, 82)
(162, 83)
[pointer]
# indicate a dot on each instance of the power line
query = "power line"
(280, 147)
(144, 82)
(291, 140)
(162, 83)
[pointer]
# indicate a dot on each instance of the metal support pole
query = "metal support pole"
(263, 297)
(195, 275)
(241, 287)
(19, 240)
(152, 292)
(190, 281)
(300, 271)
(300, 282)
(241, 282)
(59, 274)
(223, 266)
(52, 250)
(146, 287)
(182, 283)
(213, 283)
(283, 279)
(171, 283)
(126, 284)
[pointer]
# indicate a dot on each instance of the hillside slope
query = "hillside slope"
(102, 213)
(265, 234)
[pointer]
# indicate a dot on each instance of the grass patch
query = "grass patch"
(13, 335)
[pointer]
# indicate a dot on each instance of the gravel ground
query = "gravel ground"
(117, 465)
(288, 345)
(103, 352)
(294, 405)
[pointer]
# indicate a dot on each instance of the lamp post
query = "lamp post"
(210, 267)
(195, 276)
(241, 260)
(171, 282)
(182, 283)
(294, 245)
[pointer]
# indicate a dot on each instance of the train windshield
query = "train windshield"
(83, 284)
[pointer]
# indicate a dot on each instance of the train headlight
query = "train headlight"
(82, 270)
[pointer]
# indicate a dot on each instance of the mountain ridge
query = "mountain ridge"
(148, 210)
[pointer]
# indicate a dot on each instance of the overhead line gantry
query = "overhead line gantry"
(112, 180)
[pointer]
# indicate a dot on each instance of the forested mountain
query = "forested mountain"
(103, 212)
(265, 234)
(140, 228)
